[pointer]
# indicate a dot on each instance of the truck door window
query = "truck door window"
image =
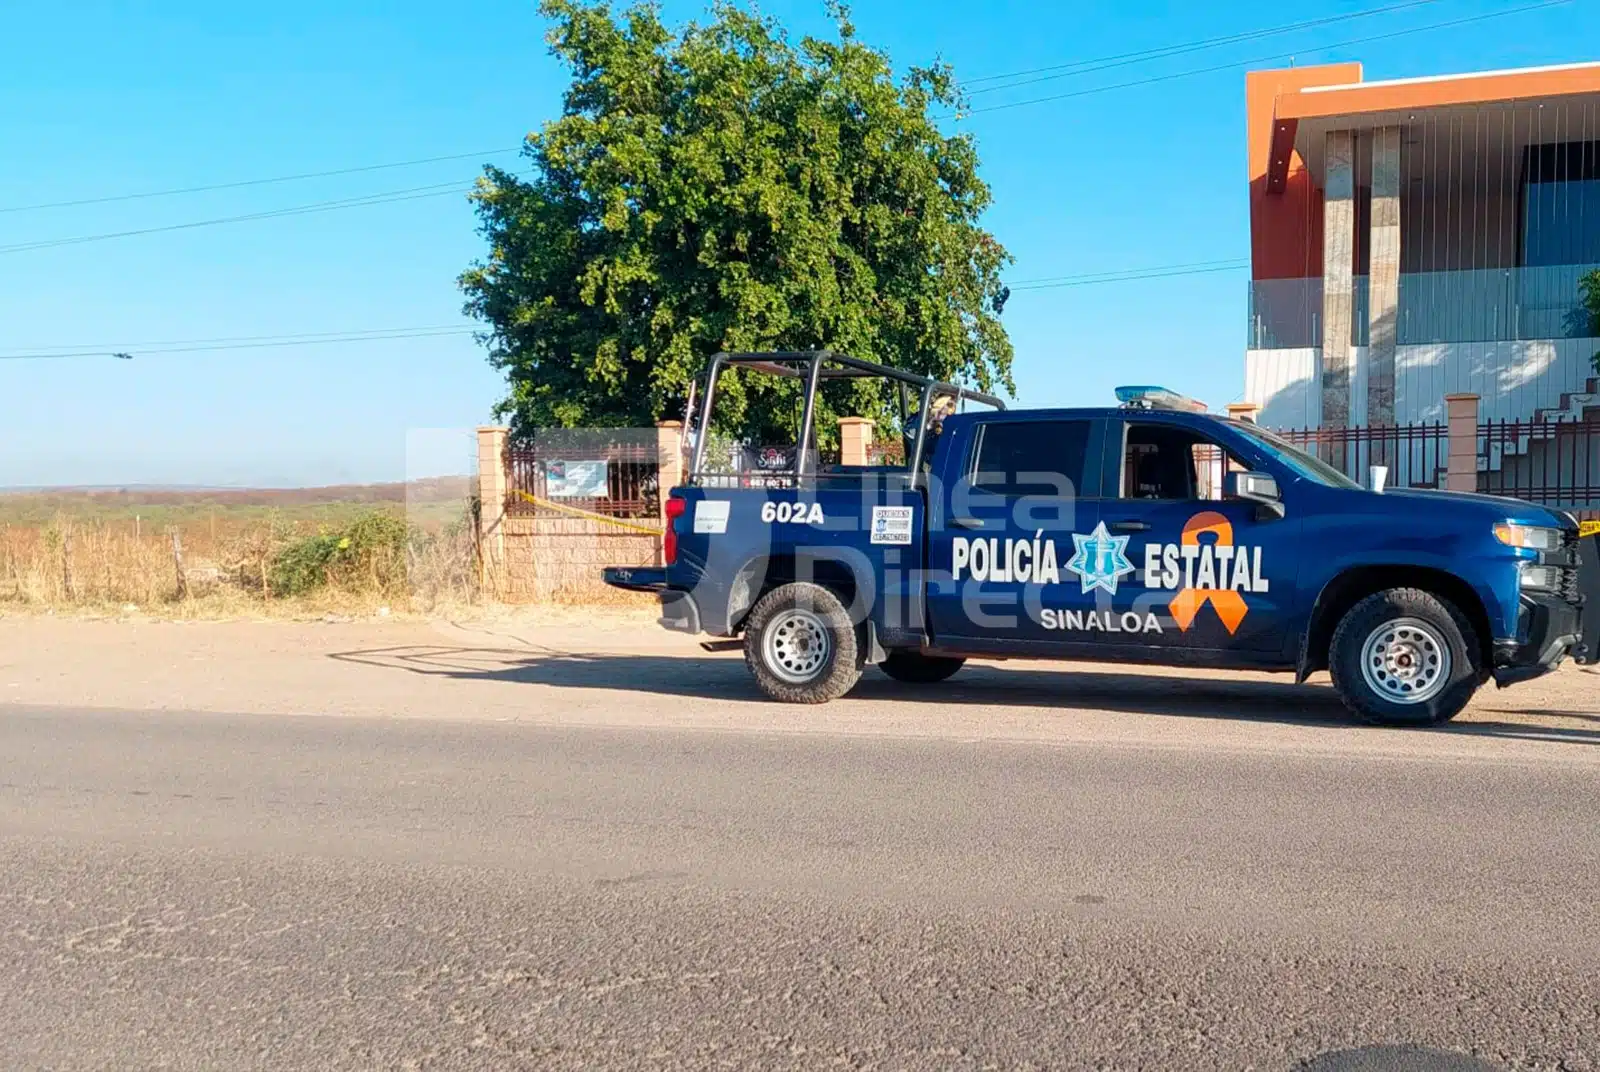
(1037, 458)
(1172, 463)
(1211, 464)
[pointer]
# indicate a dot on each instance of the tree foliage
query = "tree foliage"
(722, 188)
(1589, 290)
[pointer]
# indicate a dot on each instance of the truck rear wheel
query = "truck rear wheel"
(915, 668)
(1405, 657)
(800, 645)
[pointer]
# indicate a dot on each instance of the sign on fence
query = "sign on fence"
(578, 479)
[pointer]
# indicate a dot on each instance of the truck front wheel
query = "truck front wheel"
(800, 645)
(915, 668)
(1403, 657)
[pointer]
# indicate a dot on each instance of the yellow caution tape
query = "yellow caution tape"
(1589, 528)
(591, 515)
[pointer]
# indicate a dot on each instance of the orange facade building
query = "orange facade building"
(1420, 237)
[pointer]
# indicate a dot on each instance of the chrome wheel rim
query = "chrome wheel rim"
(796, 646)
(1406, 661)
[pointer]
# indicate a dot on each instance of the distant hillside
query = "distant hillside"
(432, 489)
(434, 500)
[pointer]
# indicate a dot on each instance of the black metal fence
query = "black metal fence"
(1547, 462)
(890, 452)
(1415, 455)
(1551, 463)
(557, 479)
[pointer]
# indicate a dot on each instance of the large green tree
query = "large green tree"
(724, 189)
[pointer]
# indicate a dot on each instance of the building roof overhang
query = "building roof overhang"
(1301, 116)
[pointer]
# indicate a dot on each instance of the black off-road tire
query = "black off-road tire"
(915, 668)
(1393, 605)
(787, 607)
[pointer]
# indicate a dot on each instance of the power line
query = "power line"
(1261, 59)
(412, 194)
(253, 182)
(246, 342)
(1067, 279)
(97, 347)
(1165, 271)
(1050, 73)
(1125, 59)
(1076, 67)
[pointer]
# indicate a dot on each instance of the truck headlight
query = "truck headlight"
(1528, 537)
(1541, 578)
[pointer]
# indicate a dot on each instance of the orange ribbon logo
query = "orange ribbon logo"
(1229, 604)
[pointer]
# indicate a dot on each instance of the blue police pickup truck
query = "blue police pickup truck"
(1147, 533)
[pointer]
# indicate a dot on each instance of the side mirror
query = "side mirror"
(1258, 488)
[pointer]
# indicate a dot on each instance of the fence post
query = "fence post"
(492, 484)
(669, 458)
(1461, 472)
(177, 564)
(855, 440)
(69, 583)
(1244, 411)
(669, 471)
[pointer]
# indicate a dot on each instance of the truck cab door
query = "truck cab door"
(1213, 576)
(1013, 490)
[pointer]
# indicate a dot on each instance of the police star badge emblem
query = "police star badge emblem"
(1100, 559)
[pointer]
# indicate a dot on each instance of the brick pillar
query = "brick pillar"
(1383, 281)
(855, 440)
(1244, 411)
(1338, 262)
(669, 460)
(493, 481)
(1461, 473)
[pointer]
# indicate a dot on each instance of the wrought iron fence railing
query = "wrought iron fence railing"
(614, 479)
(1547, 462)
(1415, 455)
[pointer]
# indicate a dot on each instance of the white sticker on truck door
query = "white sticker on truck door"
(891, 524)
(711, 516)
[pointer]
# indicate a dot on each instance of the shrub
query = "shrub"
(367, 555)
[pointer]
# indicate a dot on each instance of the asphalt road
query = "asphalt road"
(217, 891)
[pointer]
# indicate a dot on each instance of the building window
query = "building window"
(1561, 204)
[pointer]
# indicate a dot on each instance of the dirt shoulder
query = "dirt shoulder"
(617, 669)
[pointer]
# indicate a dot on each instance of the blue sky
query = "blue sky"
(100, 99)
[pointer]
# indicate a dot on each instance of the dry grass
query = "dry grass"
(105, 564)
(111, 552)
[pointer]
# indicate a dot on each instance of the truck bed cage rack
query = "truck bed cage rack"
(815, 366)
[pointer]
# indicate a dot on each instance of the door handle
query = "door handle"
(967, 522)
(1130, 525)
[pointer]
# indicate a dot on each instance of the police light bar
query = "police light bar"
(1157, 398)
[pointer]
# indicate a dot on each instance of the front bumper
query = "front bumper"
(1588, 649)
(679, 612)
(1549, 633)
(1552, 627)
